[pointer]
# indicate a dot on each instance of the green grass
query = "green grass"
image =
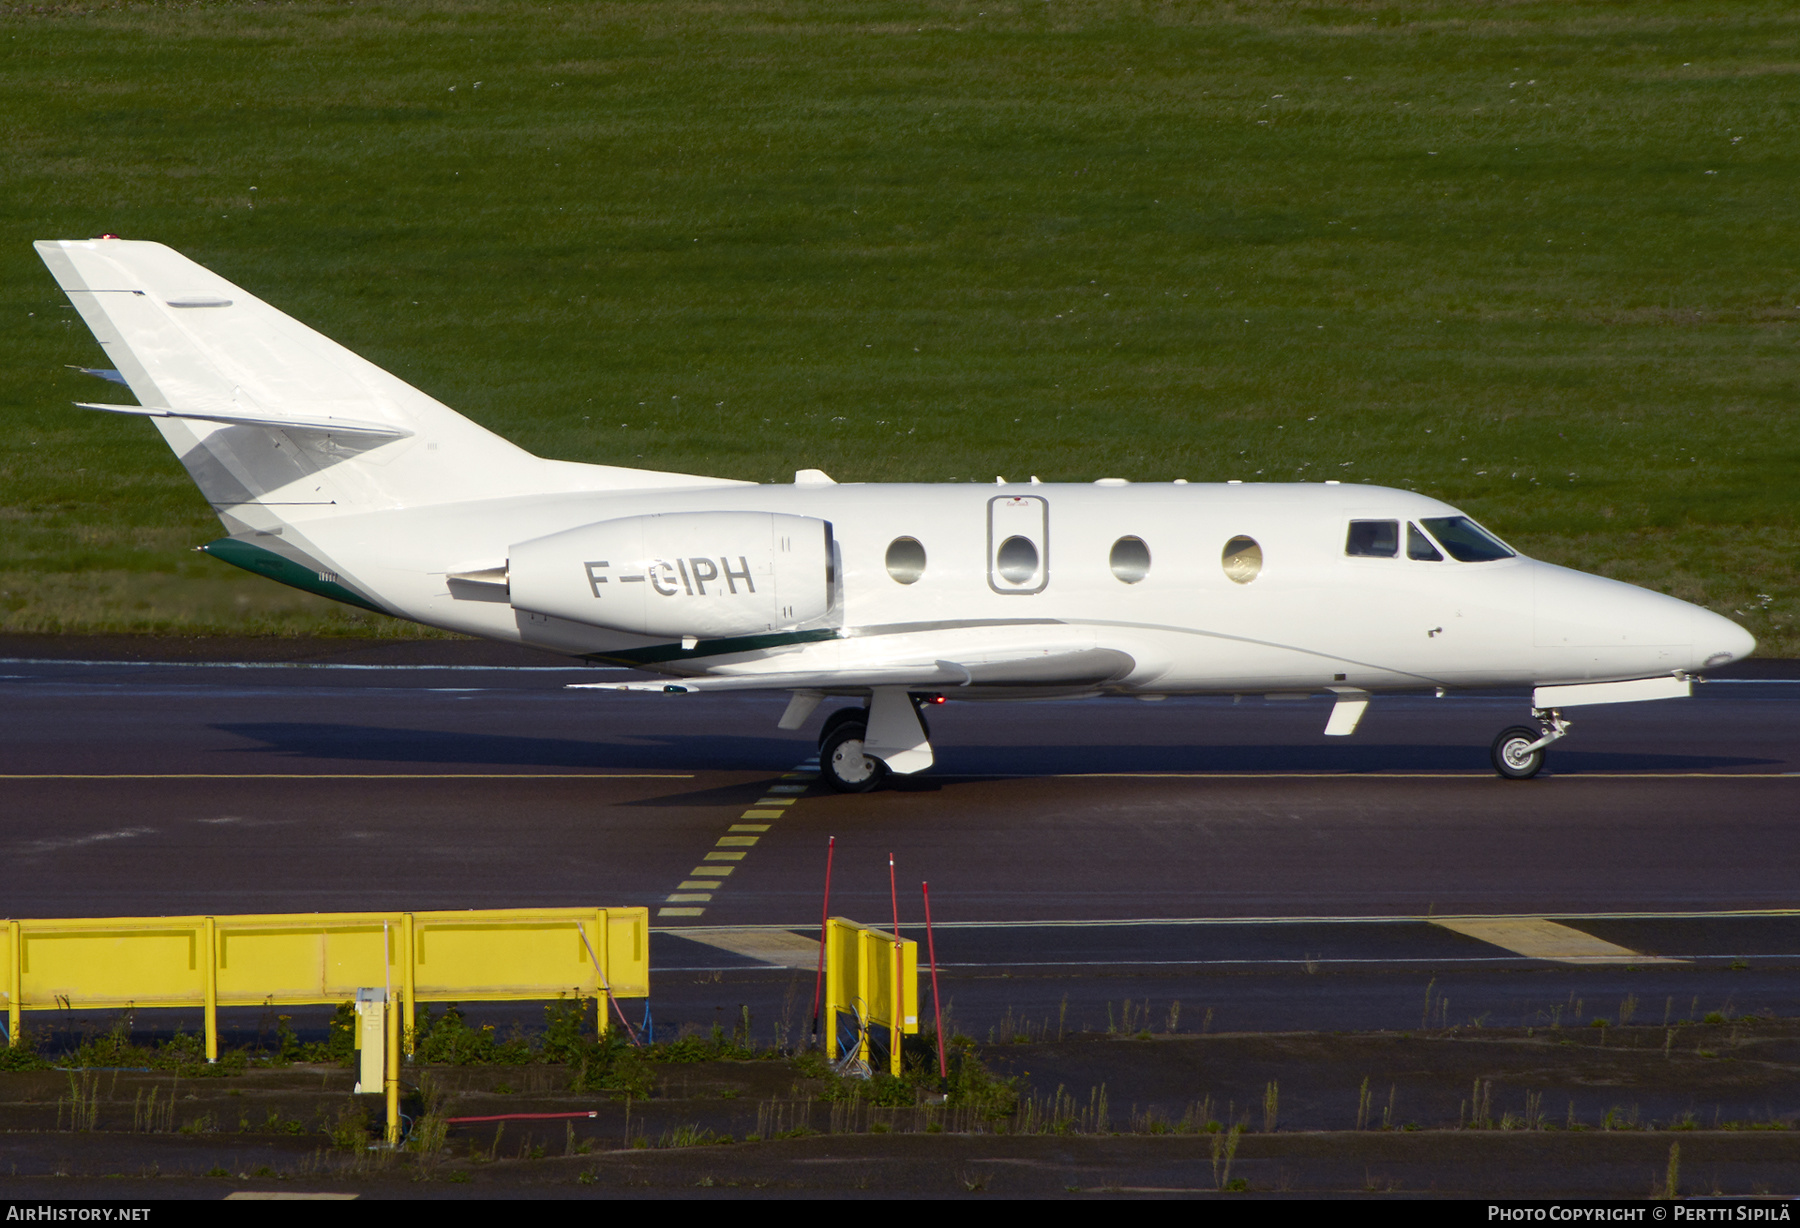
(1537, 259)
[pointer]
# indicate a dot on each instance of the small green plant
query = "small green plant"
(82, 1102)
(24, 1055)
(1224, 1150)
(973, 1087)
(349, 1131)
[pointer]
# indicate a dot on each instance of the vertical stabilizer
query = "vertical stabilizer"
(276, 422)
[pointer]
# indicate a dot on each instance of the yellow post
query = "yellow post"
(831, 991)
(865, 981)
(15, 980)
(603, 970)
(209, 954)
(392, 1079)
(408, 959)
(894, 1024)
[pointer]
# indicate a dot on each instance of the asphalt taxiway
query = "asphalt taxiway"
(1218, 853)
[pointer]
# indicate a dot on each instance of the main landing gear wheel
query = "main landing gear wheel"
(843, 764)
(1513, 755)
(831, 723)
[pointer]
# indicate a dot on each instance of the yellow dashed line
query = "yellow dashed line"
(728, 848)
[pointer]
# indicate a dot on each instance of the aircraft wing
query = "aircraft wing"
(1053, 665)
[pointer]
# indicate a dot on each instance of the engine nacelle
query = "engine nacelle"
(705, 574)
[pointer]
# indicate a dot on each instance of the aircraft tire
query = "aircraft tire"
(1510, 758)
(831, 723)
(843, 764)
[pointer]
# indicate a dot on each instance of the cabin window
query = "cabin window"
(1242, 560)
(1467, 541)
(1418, 546)
(1130, 559)
(1017, 559)
(905, 560)
(1373, 539)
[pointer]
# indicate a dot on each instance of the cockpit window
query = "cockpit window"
(1467, 541)
(1373, 538)
(1418, 546)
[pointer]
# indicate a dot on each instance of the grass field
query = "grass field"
(1541, 260)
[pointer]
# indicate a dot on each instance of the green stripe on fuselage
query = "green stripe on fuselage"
(240, 553)
(714, 648)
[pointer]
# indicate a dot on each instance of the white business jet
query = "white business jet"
(336, 477)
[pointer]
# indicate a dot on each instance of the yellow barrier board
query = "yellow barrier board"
(282, 959)
(873, 976)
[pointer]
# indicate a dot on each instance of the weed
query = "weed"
(688, 1136)
(149, 1115)
(1224, 1149)
(82, 1103)
(350, 1130)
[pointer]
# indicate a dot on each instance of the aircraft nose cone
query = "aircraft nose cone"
(1719, 641)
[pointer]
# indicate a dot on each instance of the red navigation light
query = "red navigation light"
(106, 236)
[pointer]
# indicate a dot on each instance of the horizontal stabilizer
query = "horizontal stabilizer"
(284, 422)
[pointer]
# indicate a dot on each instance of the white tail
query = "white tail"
(277, 422)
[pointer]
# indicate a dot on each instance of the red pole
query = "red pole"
(824, 921)
(894, 894)
(936, 1010)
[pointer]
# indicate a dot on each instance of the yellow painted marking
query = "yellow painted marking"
(776, 801)
(749, 827)
(727, 842)
(763, 814)
(724, 857)
(285, 1196)
(692, 897)
(1541, 938)
(783, 948)
(705, 884)
(681, 912)
(712, 869)
(347, 776)
(787, 788)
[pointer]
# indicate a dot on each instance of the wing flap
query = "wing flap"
(1075, 667)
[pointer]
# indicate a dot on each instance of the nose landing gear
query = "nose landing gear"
(1518, 753)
